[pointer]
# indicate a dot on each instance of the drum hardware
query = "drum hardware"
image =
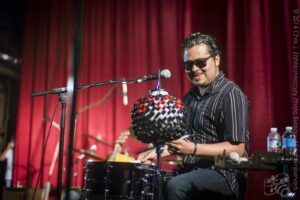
(89, 154)
(77, 159)
(98, 138)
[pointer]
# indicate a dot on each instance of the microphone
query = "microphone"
(124, 92)
(165, 73)
(162, 74)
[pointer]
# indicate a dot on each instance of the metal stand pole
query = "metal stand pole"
(63, 100)
(159, 149)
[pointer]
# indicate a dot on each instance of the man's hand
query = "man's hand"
(181, 146)
(147, 157)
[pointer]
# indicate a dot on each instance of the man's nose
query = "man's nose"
(195, 67)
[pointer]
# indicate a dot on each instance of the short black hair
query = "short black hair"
(199, 38)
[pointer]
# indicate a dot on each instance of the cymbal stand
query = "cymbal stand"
(76, 171)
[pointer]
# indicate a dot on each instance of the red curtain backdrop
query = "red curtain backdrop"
(133, 38)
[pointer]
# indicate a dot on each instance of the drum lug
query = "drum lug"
(144, 180)
(150, 194)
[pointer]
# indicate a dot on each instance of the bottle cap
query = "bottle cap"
(289, 128)
(273, 129)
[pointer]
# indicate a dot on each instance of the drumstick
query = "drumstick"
(184, 137)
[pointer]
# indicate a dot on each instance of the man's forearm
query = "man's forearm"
(218, 149)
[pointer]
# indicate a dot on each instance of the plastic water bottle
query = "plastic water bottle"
(274, 141)
(289, 142)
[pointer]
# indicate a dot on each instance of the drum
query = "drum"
(119, 180)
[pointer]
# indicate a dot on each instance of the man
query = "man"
(7, 155)
(217, 117)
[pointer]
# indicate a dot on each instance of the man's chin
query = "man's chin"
(199, 83)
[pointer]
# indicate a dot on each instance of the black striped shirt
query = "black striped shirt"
(221, 114)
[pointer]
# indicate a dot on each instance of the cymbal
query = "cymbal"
(88, 153)
(98, 139)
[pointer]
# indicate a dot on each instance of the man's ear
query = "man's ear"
(217, 60)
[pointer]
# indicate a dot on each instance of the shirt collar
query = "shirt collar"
(213, 87)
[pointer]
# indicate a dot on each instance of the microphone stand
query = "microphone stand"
(63, 100)
(62, 91)
(159, 150)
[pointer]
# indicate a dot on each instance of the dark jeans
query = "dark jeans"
(197, 185)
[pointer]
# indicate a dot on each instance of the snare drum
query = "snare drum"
(119, 180)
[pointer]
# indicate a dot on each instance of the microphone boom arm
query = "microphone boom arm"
(163, 74)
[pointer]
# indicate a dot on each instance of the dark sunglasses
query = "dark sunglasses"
(201, 63)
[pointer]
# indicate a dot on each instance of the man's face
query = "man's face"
(201, 77)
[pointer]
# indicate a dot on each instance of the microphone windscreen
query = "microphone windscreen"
(165, 73)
